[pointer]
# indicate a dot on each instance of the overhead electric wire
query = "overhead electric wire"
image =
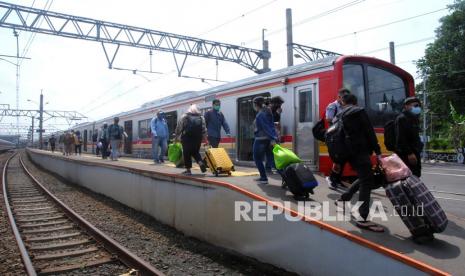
(399, 45)
(377, 26)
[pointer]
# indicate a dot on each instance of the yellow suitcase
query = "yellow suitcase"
(218, 161)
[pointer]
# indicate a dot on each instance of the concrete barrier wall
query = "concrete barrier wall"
(206, 211)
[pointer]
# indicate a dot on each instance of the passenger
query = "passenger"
(115, 134)
(361, 141)
(274, 105)
(191, 130)
(52, 141)
(61, 142)
(104, 139)
(214, 120)
(408, 144)
(77, 142)
(333, 109)
(69, 143)
(265, 137)
(160, 134)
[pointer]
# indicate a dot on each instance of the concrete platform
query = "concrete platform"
(444, 255)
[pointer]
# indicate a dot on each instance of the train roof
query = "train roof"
(5, 142)
(296, 69)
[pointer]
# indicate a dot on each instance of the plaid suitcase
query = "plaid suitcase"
(397, 192)
(218, 161)
(433, 213)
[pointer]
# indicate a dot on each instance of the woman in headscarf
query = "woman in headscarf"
(191, 130)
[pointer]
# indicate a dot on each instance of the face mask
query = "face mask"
(216, 107)
(416, 110)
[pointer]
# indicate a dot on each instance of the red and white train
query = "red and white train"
(307, 89)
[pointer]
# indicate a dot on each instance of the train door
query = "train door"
(171, 120)
(245, 126)
(306, 116)
(85, 140)
(128, 140)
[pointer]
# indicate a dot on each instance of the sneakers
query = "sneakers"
(332, 185)
(203, 168)
(261, 180)
(187, 172)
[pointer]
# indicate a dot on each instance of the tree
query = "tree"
(444, 63)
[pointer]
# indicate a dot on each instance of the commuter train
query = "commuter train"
(6, 145)
(307, 89)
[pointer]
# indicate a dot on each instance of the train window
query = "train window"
(386, 95)
(144, 128)
(353, 80)
(305, 106)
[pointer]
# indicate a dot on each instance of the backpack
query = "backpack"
(319, 130)
(390, 135)
(115, 132)
(335, 140)
(193, 128)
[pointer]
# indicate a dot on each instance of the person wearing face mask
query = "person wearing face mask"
(214, 120)
(408, 144)
(160, 133)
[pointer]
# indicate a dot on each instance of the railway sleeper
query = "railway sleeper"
(54, 237)
(44, 224)
(41, 219)
(65, 268)
(62, 245)
(35, 214)
(47, 230)
(65, 254)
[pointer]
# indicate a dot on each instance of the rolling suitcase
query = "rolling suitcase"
(398, 194)
(218, 161)
(433, 213)
(299, 179)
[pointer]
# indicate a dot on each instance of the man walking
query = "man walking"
(360, 141)
(104, 139)
(52, 141)
(408, 144)
(160, 134)
(214, 119)
(115, 134)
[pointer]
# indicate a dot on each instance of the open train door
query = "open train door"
(128, 140)
(306, 102)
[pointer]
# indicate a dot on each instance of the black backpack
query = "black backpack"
(335, 140)
(115, 132)
(390, 135)
(193, 128)
(300, 180)
(319, 130)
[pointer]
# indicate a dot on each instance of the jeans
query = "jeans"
(213, 141)
(114, 149)
(159, 142)
(261, 148)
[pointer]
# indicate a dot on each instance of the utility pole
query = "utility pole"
(290, 57)
(41, 119)
(266, 64)
(392, 52)
(16, 34)
(32, 132)
(424, 117)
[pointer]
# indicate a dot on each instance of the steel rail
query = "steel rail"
(123, 254)
(19, 241)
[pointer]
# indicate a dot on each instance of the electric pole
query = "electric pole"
(32, 132)
(41, 119)
(424, 117)
(290, 57)
(392, 52)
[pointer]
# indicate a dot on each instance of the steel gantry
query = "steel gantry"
(311, 53)
(59, 24)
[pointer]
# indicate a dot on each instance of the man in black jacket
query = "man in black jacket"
(361, 141)
(408, 144)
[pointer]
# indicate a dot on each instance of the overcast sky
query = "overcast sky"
(74, 74)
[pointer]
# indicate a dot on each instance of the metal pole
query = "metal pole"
(41, 119)
(15, 33)
(266, 61)
(92, 138)
(424, 118)
(290, 57)
(32, 132)
(392, 52)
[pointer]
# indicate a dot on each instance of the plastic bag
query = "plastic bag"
(174, 152)
(283, 157)
(394, 168)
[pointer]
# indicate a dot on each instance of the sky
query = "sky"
(74, 75)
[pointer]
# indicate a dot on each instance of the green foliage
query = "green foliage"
(444, 63)
(457, 128)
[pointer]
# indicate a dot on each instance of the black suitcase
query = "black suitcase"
(398, 194)
(300, 180)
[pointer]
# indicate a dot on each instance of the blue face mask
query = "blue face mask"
(416, 110)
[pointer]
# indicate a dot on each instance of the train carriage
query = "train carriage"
(306, 89)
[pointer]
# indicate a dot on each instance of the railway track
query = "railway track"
(52, 238)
